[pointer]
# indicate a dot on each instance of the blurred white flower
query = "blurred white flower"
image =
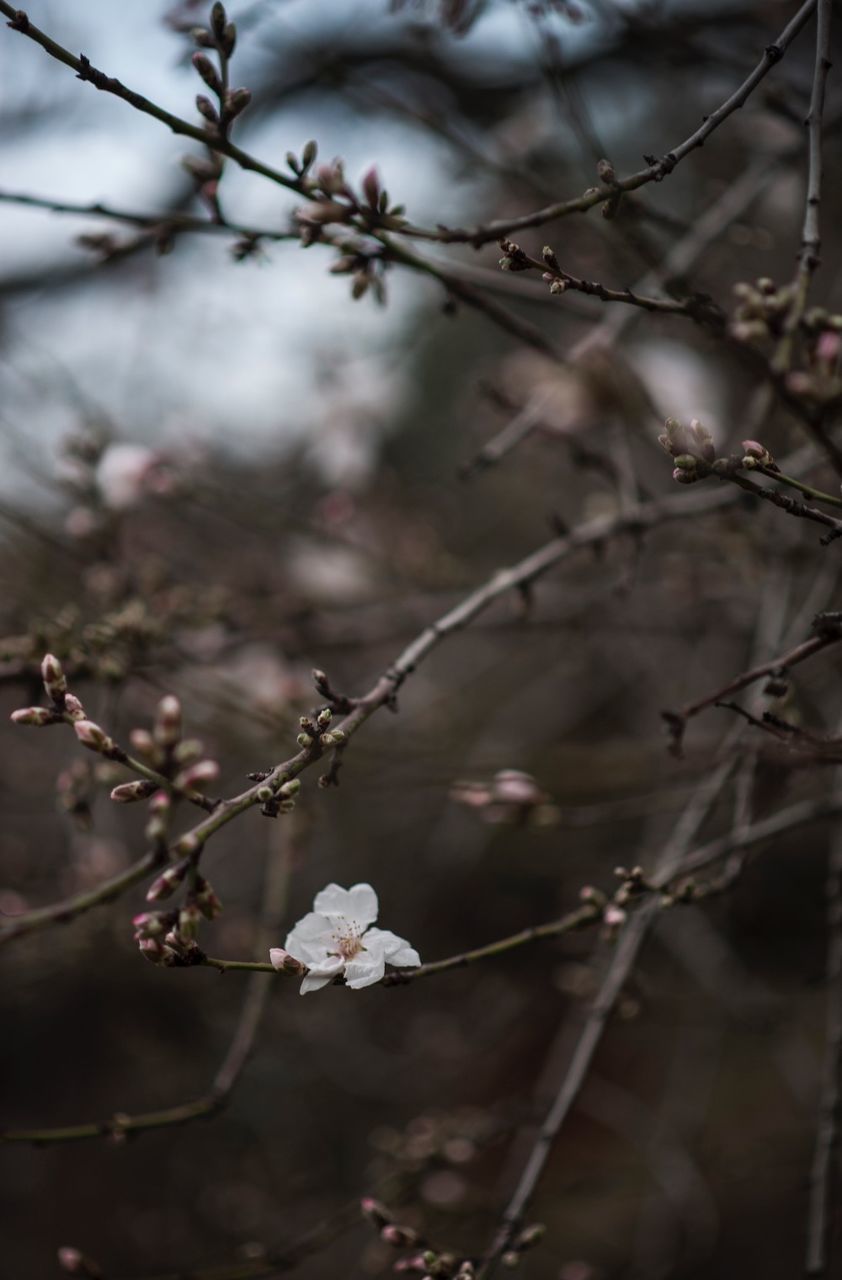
(335, 939)
(127, 472)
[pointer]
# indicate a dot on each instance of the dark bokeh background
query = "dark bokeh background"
(304, 507)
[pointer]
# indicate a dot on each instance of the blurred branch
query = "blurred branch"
(717, 217)
(655, 171)
(828, 633)
(122, 1126)
(69, 908)
(574, 1073)
(824, 1171)
(809, 255)
(20, 22)
(742, 837)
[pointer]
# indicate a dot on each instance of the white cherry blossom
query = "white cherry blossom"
(336, 938)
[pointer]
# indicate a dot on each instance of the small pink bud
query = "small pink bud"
(206, 108)
(371, 1209)
(236, 102)
(36, 716)
(73, 707)
(91, 736)
(167, 882)
(206, 900)
(207, 71)
(198, 775)
(371, 187)
(399, 1237)
(188, 845)
(54, 678)
(129, 792)
(168, 721)
(285, 963)
(74, 1263)
(143, 743)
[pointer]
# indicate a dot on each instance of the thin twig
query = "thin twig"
(824, 1171)
(121, 1126)
(655, 170)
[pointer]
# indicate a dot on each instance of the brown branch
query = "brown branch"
(19, 21)
(825, 1158)
(121, 1126)
(575, 1072)
(636, 519)
(655, 170)
(730, 205)
(69, 908)
(743, 837)
(810, 251)
(677, 720)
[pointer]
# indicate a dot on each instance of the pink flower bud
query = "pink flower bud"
(371, 187)
(73, 707)
(129, 792)
(207, 71)
(35, 716)
(285, 963)
(54, 678)
(167, 882)
(236, 102)
(399, 1237)
(198, 775)
(188, 845)
(168, 721)
(91, 736)
(372, 1209)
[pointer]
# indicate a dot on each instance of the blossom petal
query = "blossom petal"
(314, 982)
(312, 925)
(396, 950)
(309, 946)
(365, 969)
(357, 904)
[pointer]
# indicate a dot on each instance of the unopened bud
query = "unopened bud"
(75, 1263)
(54, 678)
(530, 1235)
(206, 900)
(290, 789)
(372, 1209)
(152, 924)
(371, 187)
(73, 707)
(325, 718)
(143, 743)
(264, 794)
(168, 721)
(167, 882)
(156, 953)
(285, 963)
(207, 71)
(188, 845)
(129, 792)
(36, 716)
(189, 919)
(236, 102)
(91, 736)
(304, 740)
(218, 19)
(206, 108)
(198, 775)
(399, 1237)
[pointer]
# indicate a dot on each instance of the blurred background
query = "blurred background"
(220, 470)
